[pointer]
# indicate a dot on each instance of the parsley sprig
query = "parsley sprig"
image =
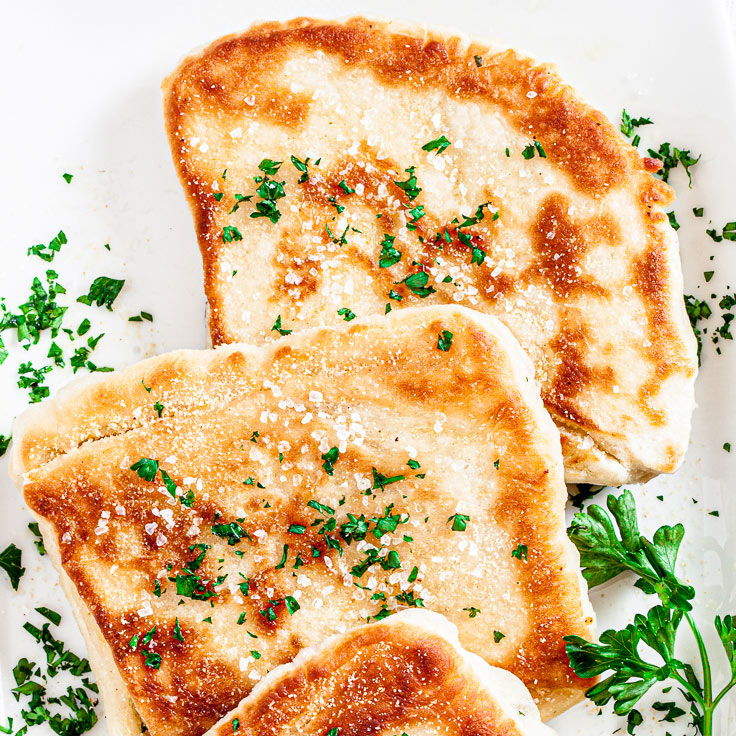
(610, 543)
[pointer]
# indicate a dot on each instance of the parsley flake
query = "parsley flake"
(278, 328)
(103, 292)
(444, 340)
(438, 144)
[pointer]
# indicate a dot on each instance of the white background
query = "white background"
(81, 81)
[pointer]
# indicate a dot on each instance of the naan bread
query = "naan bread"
(580, 262)
(448, 456)
(405, 674)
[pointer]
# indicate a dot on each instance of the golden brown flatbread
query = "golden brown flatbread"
(248, 502)
(407, 673)
(440, 170)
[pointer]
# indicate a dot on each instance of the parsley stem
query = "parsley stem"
(705, 662)
(697, 697)
(723, 692)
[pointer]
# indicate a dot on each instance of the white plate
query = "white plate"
(81, 90)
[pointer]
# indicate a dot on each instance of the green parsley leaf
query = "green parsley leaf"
(381, 481)
(605, 555)
(389, 255)
(38, 541)
(103, 292)
(444, 340)
(347, 189)
(459, 522)
(284, 555)
(497, 636)
(153, 660)
(230, 233)
(628, 123)
(301, 166)
(697, 310)
(417, 284)
(146, 468)
(330, 458)
(347, 314)
(47, 252)
(472, 611)
(268, 167)
(10, 561)
(278, 328)
(438, 144)
(68, 178)
(409, 187)
(520, 551)
(232, 532)
(670, 156)
(292, 605)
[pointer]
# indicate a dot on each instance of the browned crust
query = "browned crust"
(382, 678)
(382, 362)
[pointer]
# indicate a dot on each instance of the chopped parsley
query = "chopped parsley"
(278, 328)
(140, 317)
(438, 144)
(347, 314)
(269, 190)
(74, 713)
(389, 254)
(103, 292)
(146, 468)
(67, 178)
(472, 611)
(381, 481)
(497, 636)
(417, 284)
(10, 561)
(38, 540)
(302, 167)
(628, 124)
(478, 60)
(47, 252)
(330, 458)
(670, 156)
(697, 310)
(532, 149)
(347, 189)
(409, 187)
(459, 522)
(444, 340)
(520, 552)
(230, 234)
(232, 532)
(728, 233)
(268, 167)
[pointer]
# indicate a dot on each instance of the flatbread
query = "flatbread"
(581, 263)
(407, 673)
(447, 453)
